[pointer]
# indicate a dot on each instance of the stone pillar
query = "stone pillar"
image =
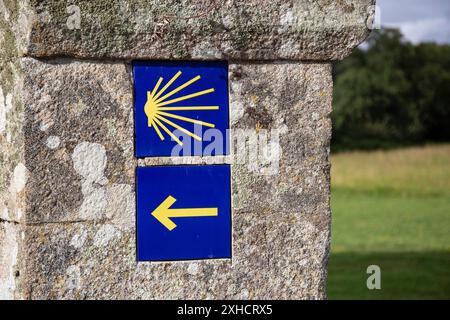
(67, 161)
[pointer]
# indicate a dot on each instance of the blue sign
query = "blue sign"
(181, 108)
(183, 212)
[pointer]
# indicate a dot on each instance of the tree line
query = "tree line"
(391, 93)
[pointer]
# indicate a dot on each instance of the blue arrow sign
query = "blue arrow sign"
(183, 212)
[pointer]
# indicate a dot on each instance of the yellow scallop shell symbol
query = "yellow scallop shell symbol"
(158, 109)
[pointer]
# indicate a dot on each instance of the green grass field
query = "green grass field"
(391, 209)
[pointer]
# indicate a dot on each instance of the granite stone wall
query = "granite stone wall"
(67, 164)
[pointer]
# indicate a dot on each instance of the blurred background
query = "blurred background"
(391, 157)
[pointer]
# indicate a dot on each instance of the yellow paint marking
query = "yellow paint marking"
(168, 131)
(196, 137)
(156, 105)
(158, 131)
(167, 85)
(156, 87)
(149, 109)
(171, 93)
(189, 96)
(188, 108)
(202, 123)
(163, 213)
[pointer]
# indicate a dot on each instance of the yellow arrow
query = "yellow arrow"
(163, 213)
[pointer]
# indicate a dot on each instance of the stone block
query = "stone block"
(67, 161)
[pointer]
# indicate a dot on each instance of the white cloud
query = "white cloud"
(419, 20)
(425, 30)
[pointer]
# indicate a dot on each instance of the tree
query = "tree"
(392, 93)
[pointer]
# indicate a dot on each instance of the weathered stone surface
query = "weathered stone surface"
(79, 222)
(13, 173)
(10, 241)
(79, 140)
(193, 29)
(67, 165)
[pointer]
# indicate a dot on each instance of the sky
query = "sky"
(419, 20)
